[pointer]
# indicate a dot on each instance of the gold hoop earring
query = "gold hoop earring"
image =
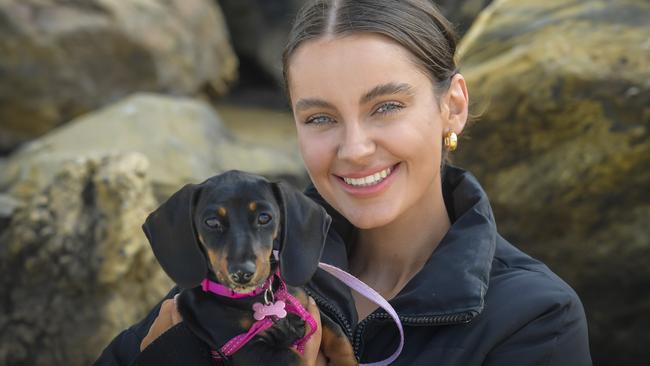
(451, 141)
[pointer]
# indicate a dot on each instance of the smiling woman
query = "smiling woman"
(381, 116)
(377, 100)
(378, 103)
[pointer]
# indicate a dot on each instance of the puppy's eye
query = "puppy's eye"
(263, 219)
(214, 223)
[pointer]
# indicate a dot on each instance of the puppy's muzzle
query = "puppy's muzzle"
(242, 273)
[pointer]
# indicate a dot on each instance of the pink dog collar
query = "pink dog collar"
(221, 290)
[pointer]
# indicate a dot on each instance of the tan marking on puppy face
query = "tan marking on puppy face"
(221, 211)
(219, 265)
(262, 265)
(201, 240)
(252, 206)
(214, 257)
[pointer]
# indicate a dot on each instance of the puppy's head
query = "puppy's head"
(230, 224)
(237, 218)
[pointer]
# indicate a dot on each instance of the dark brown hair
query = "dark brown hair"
(417, 25)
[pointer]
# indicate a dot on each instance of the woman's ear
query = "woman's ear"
(455, 104)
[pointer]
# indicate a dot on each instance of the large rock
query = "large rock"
(76, 266)
(184, 139)
(61, 59)
(562, 148)
(462, 13)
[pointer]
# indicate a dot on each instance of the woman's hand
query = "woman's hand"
(312, 355)
(167, 318)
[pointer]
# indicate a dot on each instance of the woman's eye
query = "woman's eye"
(263, 218)
(389, 107)
(319, 120)
(214, 223)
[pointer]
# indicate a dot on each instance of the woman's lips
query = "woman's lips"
(370, 183)
(370, 179)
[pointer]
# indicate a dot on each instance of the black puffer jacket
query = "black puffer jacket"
(477, 301)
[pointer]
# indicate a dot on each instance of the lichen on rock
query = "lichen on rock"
(562, 149)
(78, 267)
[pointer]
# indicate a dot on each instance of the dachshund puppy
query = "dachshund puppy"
(226, 229)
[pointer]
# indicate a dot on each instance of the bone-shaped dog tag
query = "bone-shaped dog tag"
(275, 309)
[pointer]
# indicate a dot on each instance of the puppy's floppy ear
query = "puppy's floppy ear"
(304, 226)
(171, 233)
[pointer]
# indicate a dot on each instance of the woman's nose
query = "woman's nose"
(356, 144)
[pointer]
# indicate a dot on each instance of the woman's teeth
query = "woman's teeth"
(369, 180)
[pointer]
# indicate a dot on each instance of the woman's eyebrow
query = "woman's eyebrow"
(386, 89)
(379, 90)
(307, 103)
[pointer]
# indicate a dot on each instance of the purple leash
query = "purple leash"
(365, 290)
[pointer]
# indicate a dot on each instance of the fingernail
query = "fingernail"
(176, 299)
(311, 301)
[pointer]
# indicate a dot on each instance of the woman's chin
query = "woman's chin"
(365, 220)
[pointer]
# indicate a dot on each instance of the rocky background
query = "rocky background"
(565, 92)
(107, 107)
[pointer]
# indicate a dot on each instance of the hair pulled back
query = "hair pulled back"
(417, 25)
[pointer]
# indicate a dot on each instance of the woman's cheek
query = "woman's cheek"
(315, 155)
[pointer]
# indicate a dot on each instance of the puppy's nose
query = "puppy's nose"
(242, 273)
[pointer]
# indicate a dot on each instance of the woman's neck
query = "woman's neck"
(387, 257)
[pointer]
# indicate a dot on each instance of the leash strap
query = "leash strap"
(239, 341)
(294, 306)
(365, 290)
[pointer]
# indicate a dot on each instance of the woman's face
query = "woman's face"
(369, 126)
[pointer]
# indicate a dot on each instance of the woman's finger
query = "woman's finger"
(175, 315)
(312, 355)
(315, 313)
(321, 360)
(162, 323)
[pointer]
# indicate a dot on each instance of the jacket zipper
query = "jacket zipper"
(458, 318)
(356, 336)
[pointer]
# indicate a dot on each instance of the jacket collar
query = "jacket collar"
(455, 278)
